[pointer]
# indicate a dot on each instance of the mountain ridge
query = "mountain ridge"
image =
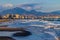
(23, 11)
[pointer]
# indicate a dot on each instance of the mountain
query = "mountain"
(1, 8)
(15, 11)
(21, 11)
(55, 12)
(37, 13)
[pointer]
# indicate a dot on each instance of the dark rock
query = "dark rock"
(22, 33)
(6, 38)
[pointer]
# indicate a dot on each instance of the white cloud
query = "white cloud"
(7, 5)
(29, 6)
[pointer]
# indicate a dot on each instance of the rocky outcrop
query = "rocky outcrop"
(22, 34)
(6, 38)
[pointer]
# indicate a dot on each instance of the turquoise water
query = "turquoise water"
(40, 30)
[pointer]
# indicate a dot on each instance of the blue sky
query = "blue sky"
(46, 5)
(19, 1)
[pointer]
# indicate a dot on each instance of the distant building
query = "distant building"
(17, 16)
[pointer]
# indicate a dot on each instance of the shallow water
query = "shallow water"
(40, 29)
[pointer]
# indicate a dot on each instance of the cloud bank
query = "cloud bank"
(7, 5)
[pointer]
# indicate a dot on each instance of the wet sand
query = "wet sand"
(11, 29)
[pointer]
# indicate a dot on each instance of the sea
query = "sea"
(40, 29)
